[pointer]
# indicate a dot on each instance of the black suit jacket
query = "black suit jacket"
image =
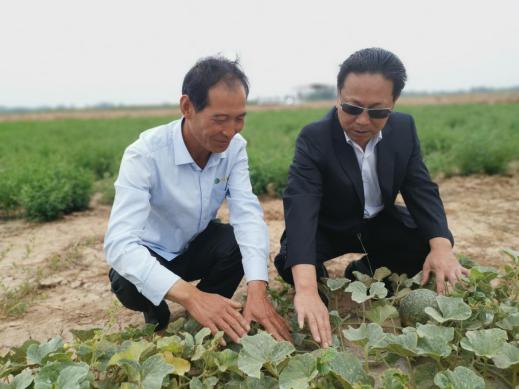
(325, 191)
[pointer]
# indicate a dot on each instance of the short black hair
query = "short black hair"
(375, 60)
(206, 73)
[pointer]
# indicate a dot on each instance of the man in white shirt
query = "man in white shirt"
(162, 233)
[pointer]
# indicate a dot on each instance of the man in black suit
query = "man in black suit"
(347, 171)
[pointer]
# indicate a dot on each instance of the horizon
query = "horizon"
(132, 53)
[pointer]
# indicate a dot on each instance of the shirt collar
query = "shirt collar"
(181, 153)
(375, 140)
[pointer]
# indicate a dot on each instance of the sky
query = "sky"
(68, 52)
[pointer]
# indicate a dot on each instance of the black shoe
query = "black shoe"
(321, 271)
(361, 265)
(158, 316)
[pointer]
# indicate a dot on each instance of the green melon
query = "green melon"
(412, 306)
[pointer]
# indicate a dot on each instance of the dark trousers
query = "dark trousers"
(385, 240)
(213, 257)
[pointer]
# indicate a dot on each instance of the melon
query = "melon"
(412, 306)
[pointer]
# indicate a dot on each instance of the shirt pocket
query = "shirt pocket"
(218, 191)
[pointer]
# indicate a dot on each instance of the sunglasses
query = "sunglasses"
(374, 113)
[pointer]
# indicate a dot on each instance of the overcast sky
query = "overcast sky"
(137, 52)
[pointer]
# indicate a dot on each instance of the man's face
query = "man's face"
(223, 117)
(369, 91)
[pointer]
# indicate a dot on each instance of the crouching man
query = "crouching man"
(162, 233)
(347, 171)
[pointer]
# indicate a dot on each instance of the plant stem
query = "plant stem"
(496, 374)
(411, 372)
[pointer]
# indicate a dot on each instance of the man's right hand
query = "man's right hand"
(210, 310)
(309, 306)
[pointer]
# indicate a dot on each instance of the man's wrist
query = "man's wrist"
(305, 278)
(181, 292)
(440, 243)
(257, 287)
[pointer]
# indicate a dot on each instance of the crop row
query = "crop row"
(48, 168)
(469, 339)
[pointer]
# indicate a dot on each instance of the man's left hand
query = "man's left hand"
(443, 263)
(259, 308)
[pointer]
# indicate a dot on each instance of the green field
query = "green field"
(48, 168)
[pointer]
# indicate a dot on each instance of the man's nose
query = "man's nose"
(363, 118)
(230, 131)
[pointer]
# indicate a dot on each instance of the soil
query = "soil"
(62, 269)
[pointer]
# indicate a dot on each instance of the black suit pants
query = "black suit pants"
(213, 257)
(385, 240)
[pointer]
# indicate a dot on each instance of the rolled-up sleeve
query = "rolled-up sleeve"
(123, 247)
(246, 217)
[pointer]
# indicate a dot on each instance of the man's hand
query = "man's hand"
(259, 308)
(309, 306)
(210, 310)
(443, 263)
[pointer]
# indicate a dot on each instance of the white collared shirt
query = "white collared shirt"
(367, 159)
(163, 200)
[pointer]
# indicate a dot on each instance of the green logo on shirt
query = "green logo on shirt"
(218, 180)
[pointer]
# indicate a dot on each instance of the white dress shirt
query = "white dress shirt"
(163, 200)
(367, 159)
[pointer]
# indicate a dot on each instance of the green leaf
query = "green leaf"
(482, 273)
(404, 344)
(364, 278)
(131, 351)
(199, 352)
(507, 356)
(131, 368)
(348, 369)
(451, 308)
(48, 374)
(432, 331)
(484, 343)
(381, 273)
(201, 335)
(22, 380)
(77, 376)
(36, 353)
(195, 383)
(371, 335)
(460, 378)
(378, 289)
(299, 372)
(84, 335)
(510, 322)
(154, 369)
(260, 349)
(181, 365)
(172, 344)
(336, 283)
(433, 340)
(265, 382)
(395, 379)
(226, 359)
(359, 292)
(380, 313)
(210, 382)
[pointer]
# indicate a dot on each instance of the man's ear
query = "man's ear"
(186, 107)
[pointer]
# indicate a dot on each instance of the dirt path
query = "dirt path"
(61, 275)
